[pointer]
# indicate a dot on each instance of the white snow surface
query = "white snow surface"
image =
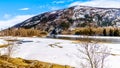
(2, 42)
(40, 49)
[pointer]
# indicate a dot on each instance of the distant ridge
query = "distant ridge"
(72, 17)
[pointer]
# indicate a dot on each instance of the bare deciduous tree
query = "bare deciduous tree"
(11, 48)
(92, 55)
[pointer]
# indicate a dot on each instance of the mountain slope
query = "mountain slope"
(76, 16)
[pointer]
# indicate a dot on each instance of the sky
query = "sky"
(16, 11)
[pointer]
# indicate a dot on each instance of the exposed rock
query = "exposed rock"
(76, 16)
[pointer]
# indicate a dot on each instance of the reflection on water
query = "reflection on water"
(93, 38)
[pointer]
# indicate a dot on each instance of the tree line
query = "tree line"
(22, 32)
(100, 32)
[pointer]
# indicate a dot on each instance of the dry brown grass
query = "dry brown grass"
(55, 45)
(23, 32)
(22, 63)
(4, 45)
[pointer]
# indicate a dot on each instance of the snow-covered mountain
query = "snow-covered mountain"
(76, 16)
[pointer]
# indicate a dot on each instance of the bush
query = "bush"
(77, 33)
(87, 31)
(64, 25)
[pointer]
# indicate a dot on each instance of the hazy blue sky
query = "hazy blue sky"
(27, 7)
(15, 11)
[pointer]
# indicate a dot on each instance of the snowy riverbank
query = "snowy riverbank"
(58, 51)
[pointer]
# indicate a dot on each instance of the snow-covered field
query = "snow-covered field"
(57, 51)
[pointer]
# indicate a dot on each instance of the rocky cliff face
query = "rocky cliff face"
(76, 16)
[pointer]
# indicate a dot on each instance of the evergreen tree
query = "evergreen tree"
(111, 32)
(116, 32)
(104, 32)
